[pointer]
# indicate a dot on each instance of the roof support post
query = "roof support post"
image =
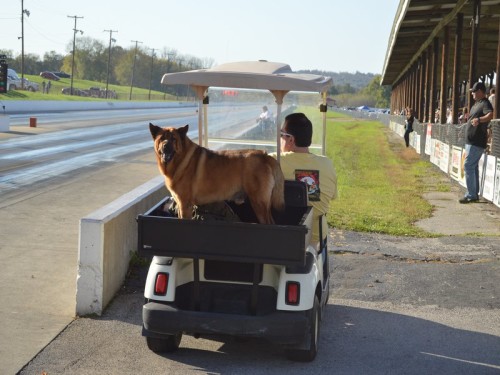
(427, 118)
(414, 103)
(473, 48)
(200, 95)
(278, 95)
(457, 57)
(496, 110)
(420, 100)
(433, 83)
(444, 75)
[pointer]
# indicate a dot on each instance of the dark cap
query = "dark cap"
(478, 86)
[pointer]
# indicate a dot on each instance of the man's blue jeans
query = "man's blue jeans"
(471, 168)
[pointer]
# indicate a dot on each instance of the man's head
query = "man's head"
(296, 130)
(478, 90)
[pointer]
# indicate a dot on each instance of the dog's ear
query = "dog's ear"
(183, 131)
(154, 130)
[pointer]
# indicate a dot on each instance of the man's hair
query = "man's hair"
(298, 125)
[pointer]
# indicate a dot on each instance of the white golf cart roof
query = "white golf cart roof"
(278, 78)
(265, 75)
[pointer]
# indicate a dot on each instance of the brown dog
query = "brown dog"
(195, 175)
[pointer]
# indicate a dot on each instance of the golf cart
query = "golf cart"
(237, 277)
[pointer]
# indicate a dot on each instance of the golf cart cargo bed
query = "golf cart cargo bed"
(283, 243)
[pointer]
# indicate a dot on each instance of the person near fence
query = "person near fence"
(318, 172)
(476, 140)
(464, 116)
(410, 117)
(491, 97)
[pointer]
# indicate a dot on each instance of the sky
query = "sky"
(329, 35)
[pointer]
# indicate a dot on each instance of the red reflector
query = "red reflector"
(292, 293)
(161, 284)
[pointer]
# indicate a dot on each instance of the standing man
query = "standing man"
(476, 138)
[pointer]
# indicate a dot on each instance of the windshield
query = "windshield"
(243, 119)
(12, 74)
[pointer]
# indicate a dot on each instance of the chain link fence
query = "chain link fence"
(451, 134)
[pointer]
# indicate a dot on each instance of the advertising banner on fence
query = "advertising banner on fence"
(415, 141)
(462, 171)
(456, 160)
(489, 177)
(435, 152)
(444, 157)
(428, 140)
(496, 192)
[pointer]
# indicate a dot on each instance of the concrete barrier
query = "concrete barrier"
(32, 106)
(4, 123)
(107, 239)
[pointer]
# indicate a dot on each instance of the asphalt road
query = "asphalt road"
(398, 306)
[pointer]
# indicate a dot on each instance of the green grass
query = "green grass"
(380, 185)
(123, 92)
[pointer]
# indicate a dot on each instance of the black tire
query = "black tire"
(311, 342)
(12, 87)
(164, 345)
(323, 307)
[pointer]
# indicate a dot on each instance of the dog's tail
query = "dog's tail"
(278, 193)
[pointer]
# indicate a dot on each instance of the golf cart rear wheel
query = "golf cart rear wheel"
(308, 350)
(164, 345)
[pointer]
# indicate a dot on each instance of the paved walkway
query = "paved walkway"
(38, 256)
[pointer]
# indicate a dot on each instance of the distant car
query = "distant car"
(49, 75)
(62, 74)
(14, 82)
(30, 86)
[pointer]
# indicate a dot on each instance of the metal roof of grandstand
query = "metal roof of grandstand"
(418, 22)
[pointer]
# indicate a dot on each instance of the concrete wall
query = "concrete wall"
(108, 236)
(30, 106)
(4, 123)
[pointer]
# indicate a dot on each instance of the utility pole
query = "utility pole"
(109, 57)
(23, 12)
(151, 73)
(133, 69)
(74, 48)
(169, 57)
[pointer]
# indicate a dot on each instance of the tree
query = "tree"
(91, 58)
(381, 94)
(52, 61)
(32, 63)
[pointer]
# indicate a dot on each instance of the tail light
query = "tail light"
(161, 284)
(292, 295)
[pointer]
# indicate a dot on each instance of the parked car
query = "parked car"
(62, 74)
(30, 86)
(49, 75)
(14, 82)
